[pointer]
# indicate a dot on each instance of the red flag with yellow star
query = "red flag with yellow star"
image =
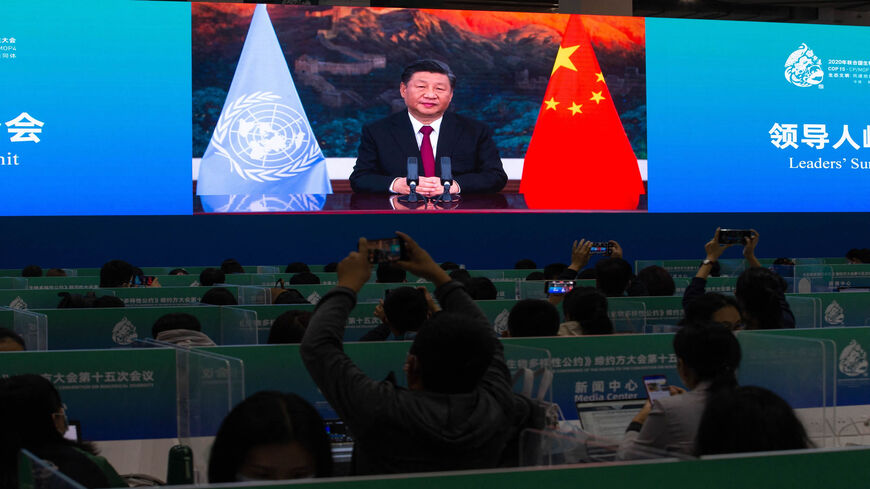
(579, 156)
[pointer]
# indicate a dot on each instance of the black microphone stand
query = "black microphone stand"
(413, 199)
(447, 200)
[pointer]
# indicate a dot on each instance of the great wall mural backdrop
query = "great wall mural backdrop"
(346, 63)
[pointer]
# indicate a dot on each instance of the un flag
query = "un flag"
(262, 143)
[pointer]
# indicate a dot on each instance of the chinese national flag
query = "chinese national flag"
(579, 156)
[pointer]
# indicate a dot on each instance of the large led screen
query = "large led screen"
(758, 117)
(130, 107)
(94, 108)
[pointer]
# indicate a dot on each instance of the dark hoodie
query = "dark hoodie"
(397, 430)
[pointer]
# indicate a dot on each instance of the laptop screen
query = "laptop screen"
(607, 419)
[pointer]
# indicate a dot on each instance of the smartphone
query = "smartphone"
(143, 280)
(337, 432)
(74, 431)
(559, 287)
(601, 248)
(656, 387)
(733, 236)
(387, 250)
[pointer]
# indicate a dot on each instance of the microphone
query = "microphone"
(413, 175)
(412, 178)
(446, 171)
(446, 179)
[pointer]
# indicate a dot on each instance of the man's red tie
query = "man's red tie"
(426, 152)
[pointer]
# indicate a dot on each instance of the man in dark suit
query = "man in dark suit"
(426, 132)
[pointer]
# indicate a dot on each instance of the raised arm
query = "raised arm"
(355, 397)
(697, 287)
(454, 299)
(749, 245)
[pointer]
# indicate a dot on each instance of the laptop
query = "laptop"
(607, 419)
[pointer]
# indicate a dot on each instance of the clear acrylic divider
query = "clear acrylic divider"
(268, 269)
(208, 386)
(507, 288)
(627, 316)
(248, 279)
(731, 267)
(70, 272)
(813, 278)
(544, 448)
(31, 326)
(532, 289)
(373, 293)
(249, 295)
(531, 370)
(641, 264)
(661, 328)
(787, 274)
(536, 289)
(35, 473)
(800, 370)
(490, 274)
(238, 326)
(13, 283)
(807, 311)
(811, 261)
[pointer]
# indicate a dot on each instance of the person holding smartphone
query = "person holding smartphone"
(760, 292)
(708, 355)
(458, 408)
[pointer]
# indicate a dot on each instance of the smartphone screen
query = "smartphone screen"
(656, 387)
(733, 236)
(559, 287)
(73, 432)
(386, 250)
(143, 280)
(337, 432)
(602, 248)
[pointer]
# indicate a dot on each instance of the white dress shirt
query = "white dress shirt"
(433, 138)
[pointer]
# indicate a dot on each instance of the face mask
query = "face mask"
(244, 478)
(65, 419)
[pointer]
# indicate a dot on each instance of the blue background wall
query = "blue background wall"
(477, 240)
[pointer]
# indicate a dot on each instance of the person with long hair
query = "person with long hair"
(35, 420)
(749, 419)
(708, 355)
(761, 295)
(760, 292)
(270, 436)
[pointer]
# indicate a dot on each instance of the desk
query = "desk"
(353, 203)
(390, 203)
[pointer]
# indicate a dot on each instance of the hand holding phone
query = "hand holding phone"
(734, 236)
(656, 387)
(355, 269)
(601, 248)
(420, 263)
(386, 250)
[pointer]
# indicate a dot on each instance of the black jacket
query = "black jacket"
(398, 430)
(386, 144)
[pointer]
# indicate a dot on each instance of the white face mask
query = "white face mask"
(244, 478)
(65, 420)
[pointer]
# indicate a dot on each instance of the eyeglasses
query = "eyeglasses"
(63, 412)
